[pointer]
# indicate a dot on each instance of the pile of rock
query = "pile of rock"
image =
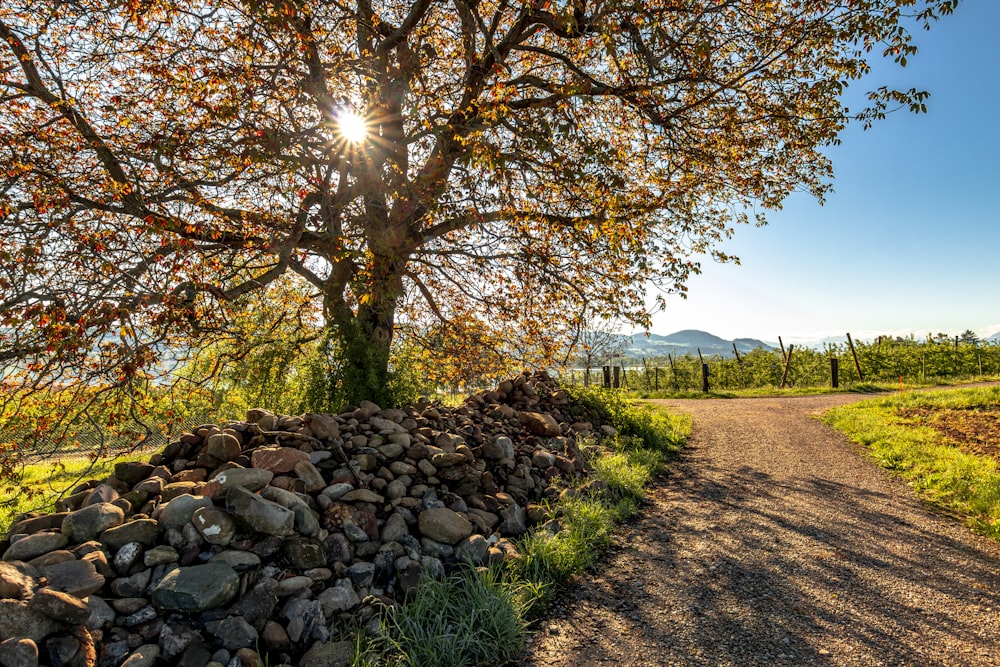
(262, 539)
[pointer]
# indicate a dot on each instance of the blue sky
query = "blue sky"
(909, 241)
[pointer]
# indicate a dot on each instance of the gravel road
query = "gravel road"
(774, 541)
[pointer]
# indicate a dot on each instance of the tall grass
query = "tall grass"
(964, 484)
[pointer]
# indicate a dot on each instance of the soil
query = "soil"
(773, 540)
(973, 430)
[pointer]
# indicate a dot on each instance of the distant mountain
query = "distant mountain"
(688, 341)
(995, 337)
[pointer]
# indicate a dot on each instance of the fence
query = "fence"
(884, 360)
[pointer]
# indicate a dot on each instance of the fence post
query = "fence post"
(850, 344)
(788, 363)
(607, 377)
(834, 372)
(656, 377)
(616, 381)
(704, 377)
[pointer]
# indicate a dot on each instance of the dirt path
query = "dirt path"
(773, 541)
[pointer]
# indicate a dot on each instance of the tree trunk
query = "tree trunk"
(365, 337)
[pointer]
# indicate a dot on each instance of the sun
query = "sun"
(353, 127)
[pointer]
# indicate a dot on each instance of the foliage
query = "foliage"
(41, 482)
(966, 484)
(164, 161)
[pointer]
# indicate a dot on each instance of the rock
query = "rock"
(252, 479)
(132, 472)
(18, 620)
(339, 598)
(233, 633)
(143, 531)
(278, 460)
(444, 525)
(87, 523)
(513, 520)
(473, 549)
(35, 545)
(101, 613)
(37, 524)
(60, 606)
(223, 446)
(144, 656)
(260, 514)
(540, 423)
(17, 580)
(362, 496)
(310, 476)
(179, 511)
(76, 577)
(303, 553)
(324, 427)
(18, 652)
(215, 525)
(328, 654)
(197, 588)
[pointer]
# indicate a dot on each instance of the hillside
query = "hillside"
(688, 341)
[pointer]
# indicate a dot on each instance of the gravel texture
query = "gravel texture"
(773, 540)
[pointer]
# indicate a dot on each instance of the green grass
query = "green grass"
(474, 617)
(962, 484)
(40, 484)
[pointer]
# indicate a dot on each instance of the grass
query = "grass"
(479, 616)
(965, 485)
(41, 483)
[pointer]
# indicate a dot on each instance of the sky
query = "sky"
(908, 242)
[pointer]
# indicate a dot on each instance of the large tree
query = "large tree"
(528, 159)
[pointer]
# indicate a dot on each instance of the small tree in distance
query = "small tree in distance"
(396, 161)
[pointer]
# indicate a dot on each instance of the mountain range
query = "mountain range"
(685, 342)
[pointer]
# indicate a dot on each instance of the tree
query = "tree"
(527, 159)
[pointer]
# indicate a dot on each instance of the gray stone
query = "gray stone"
(259, 513)
(178, 511)
(233, 633)
(394, 529)
(87, 523)
(241, 561)
(290, 585)
(215, 525)
(127, 556)
(17, 580)
(35, 545)
(144, 656)
(161, 555)
(18, 620)
(60, 606)
(339, 598)
(473, 549)
(223, 446)
(363, 496)
(19, 652)
(310, 476)
(144, 615)
(114, 653)
(444, 525)
(144, 531)
(328, 654)
(131, 586)
(197, 588)
(253, 479)
(131, 473)
(76, 577)
(513, 520)
(336, 491)
(101, 614)
(324, 427)
(303, 553)
(361, 573)
(306, 522)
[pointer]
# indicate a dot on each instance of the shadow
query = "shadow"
(737, 565)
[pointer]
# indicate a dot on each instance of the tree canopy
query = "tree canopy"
(523, 163)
